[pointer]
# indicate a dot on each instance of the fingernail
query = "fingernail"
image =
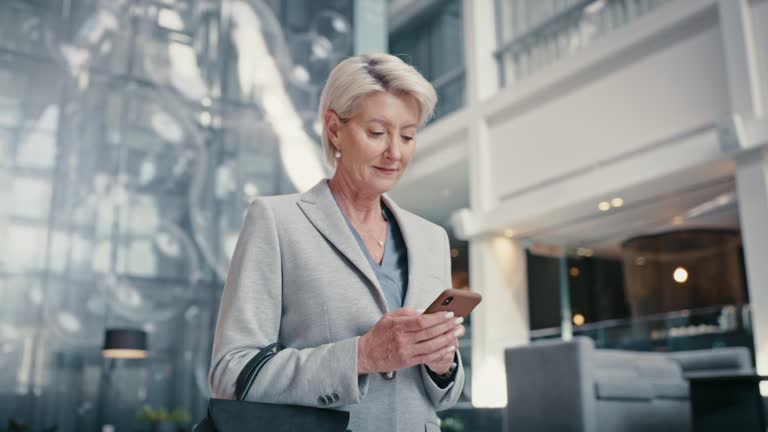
(459, 320)
(449, 315)
(420, 310)
(450, 348)
(458, 332)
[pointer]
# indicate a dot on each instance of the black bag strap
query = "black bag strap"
(252, 368)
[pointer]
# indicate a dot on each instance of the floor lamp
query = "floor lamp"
(119, 343)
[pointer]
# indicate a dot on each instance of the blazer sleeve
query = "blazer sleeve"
(249, 319)
(444, 398)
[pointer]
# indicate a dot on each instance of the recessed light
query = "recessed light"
(680, 275)
(509, 233)
(604, 206)
(578, 319)
(617, 202)
(677, 220)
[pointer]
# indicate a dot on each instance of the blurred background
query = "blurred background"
(600, 167)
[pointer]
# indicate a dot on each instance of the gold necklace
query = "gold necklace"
(370, 235)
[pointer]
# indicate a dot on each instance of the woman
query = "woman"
(338, 274)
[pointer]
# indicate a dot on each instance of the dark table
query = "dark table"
(727, 403)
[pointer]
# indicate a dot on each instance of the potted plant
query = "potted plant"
(160, 420)
(451, 424)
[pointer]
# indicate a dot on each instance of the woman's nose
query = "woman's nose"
(393, 149)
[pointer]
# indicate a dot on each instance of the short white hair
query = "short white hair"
(354, 78)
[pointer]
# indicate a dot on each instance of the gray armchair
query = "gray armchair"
(713, 362)
(573, 387)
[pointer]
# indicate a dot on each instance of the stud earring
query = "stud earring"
(337, 154)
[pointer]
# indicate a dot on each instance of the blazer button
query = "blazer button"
(336, 397)
(322, 400)
(389, 375)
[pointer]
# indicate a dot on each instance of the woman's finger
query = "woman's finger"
(449, 325)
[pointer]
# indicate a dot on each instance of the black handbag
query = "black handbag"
(226, 415)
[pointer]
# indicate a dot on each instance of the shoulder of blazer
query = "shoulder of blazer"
(277, 203)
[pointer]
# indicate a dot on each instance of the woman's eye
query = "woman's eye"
(376, 133)
(407, 138)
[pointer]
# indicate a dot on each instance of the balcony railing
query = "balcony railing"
(533, 34)
(726, 325)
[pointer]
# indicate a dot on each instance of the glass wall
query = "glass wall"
(533, 34)
(433, 43)
(132, 136)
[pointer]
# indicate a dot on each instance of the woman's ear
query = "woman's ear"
(333, 127)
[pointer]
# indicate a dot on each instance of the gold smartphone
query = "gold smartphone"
(460, 302)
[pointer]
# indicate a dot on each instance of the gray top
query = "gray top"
(392, 273)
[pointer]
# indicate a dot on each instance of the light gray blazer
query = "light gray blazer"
(299, 277)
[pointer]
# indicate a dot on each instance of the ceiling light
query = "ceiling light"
(604, 206)
(680, 275)
(509, 233)
(617, 202)
(578, 319)
(677, 220)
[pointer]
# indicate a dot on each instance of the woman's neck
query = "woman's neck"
(357, 205)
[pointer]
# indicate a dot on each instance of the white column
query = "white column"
(496, 264)
(370, 26)
(748, 102)
(752, 189)
(497, 269)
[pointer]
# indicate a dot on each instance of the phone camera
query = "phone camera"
(447, 301)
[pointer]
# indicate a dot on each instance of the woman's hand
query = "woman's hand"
(405, 338)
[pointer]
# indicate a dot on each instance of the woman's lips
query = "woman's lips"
(386, 170)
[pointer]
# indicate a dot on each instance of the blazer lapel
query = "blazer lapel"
(322, 211)
(411, 245)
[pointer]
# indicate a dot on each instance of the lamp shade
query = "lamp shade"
(125, 344)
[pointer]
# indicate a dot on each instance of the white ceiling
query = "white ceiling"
(707, 205)
(710, 205)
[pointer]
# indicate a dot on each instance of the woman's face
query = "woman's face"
(376, 142)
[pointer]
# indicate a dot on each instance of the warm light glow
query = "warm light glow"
(574, 271)
(585, 252)
(617, 202)
(677, 220)
(604, 206)
(124, 353)
(509, 233)
(680, 275)
(640, 261)
(489, 384)
(578, 319)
